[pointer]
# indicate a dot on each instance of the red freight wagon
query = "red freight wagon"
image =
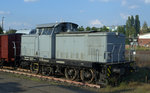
(7, 47)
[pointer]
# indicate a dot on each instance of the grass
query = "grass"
(27, 77)
(140, 75)
(34, 79)
(133, 83)
(51, 82)
(132, 87)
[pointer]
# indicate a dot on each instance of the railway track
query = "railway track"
(28, 73)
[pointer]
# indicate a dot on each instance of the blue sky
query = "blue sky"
(21, 14)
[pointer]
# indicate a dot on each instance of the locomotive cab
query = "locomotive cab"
(68, 27)
(55, 28)
(49, 29)
(42, 40)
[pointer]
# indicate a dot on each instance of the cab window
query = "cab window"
(47, 31)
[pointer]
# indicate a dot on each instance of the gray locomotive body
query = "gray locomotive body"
(61, 48)
(99, 47)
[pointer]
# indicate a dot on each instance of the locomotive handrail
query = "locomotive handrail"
(14, 53)
(112, 53)
(53, 29)
(113, 49)
(119, 52)
(14, 48)
(97, 55)
(38, 47)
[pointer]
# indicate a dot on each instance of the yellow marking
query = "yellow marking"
(108, 74)
(110, 67)
(36, 69)
(36, 64)
(131, 64)
(109, 71)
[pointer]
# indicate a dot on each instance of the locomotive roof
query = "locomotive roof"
(53, 24)
(91, 33)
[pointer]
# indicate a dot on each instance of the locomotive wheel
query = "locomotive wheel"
(87, 75)
(50, 71)
(42, 71)
(71, 73)
(1, 65)
(34, 67)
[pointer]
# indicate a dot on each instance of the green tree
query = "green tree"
(104, 29)
(11, 31)
(128, 26)
(1, 30)
(121, 29)
(132, 26)
(132, 21)
(88, 28)
(137, 25)
(81, 28)
(145, 27)
(132, 32)
(149, 29)
(94, 29)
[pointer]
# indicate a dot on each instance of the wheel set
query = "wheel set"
(86, 75)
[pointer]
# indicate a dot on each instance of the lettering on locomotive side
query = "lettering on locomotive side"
(43, 60)
(31, 58)
(61, 62)
(26, 58)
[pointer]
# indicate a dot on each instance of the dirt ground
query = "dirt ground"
(11, 84)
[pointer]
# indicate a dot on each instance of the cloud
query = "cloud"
(19, 25)
(30, 0)
(104, 0)
(124, 16)
(133, 6)
(96, 23)
(4, 12)
(129, 4)
(99, 0)
(91, 0)
(82, 11)
(124, 2)
(147, 1)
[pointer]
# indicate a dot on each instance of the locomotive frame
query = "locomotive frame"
(88, 72)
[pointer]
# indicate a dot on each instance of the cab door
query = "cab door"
(45, 43)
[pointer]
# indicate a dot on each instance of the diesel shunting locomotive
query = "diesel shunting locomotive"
(55, 48)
